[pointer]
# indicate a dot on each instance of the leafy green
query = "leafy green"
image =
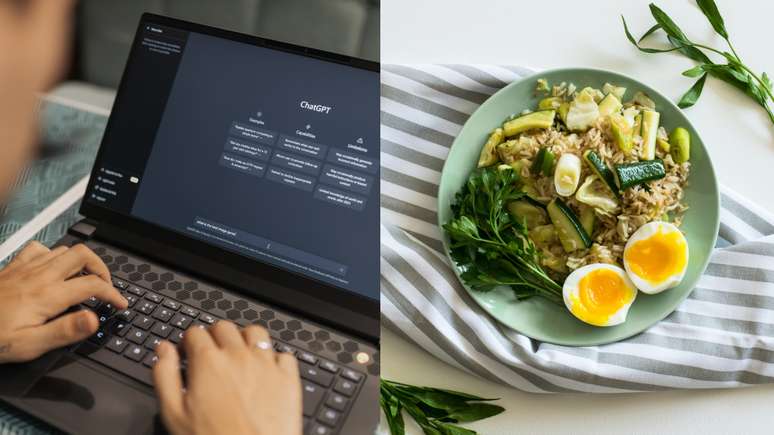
(491, 247)
(435, 410)
(733, 72)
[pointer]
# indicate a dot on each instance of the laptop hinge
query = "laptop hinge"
(83, 229)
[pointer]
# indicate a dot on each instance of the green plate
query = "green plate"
(543, 320)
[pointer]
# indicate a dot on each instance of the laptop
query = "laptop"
(236, 179)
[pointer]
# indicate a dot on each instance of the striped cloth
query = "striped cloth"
(722, 336)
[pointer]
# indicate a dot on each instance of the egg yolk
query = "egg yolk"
(601, 293)
(658, 257)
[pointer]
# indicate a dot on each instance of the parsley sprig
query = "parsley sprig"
(490, 247)
(733, 71)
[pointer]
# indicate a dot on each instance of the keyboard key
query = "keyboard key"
(120, 283)
(153, 297)
(313, 395)
(319, 429)
(171, 304)
(139, 291)
(117, 344)
(99, 338)
(161, 329)
(345, 387)
(119, 328)
(337, 401)
(106, 309)
(103, 318)
(152, 342)
(143, 322)
(329, 366)
(198, 324)
(306, 357)
(145, 307)
(314, 374)
(163, 314)
(208, 318)
(284, 348)
(127, 315)
(91, 302)
(132, 299)
(135, 353)
(176, 336)
(180, 321)
(329, 416)
(137, 336)
(190, 312)
(150, 360)
(352, 375)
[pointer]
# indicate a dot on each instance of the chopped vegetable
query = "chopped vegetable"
(650, 120)
(588, 219)
(681, 145)
(621, 132)
(542, 119)
(488, 154)
(543, 235)
(568, 228)
(583, 112)
(594, 193)
(618, 91)
(544, 162)
(632, 174)
(567, 174)
(663, 145)
(564, 108)
(530, 214)
(542, 86)
(642, 99)
(508, 150)
(609, 105)
(550, 103)
(600, 168)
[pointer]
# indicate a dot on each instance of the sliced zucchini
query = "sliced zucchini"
(622, 132)
(681, 145)
(594, 193)
(567, 174)
(550, 103)
(650, 121)
(618, 91)
(488, 156)
(609, 105)
(583, 112)
(601, 169)
(543, 235)
(632, 174)
(534, 120)
(642, 99)
(544, 162)
(588, 219)
(564, 108)
(527, 213)
(571, 233)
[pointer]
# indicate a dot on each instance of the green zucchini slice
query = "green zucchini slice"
(600, 168)
(632, 174)
(568, 227)
(488, 156)
(609, 105)
(541, 119)
(543, 163)
(527, 213)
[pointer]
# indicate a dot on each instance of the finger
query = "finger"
(259, 340)
(287, 363)
(227, 336)
(197, 342)
(76, 290)
(62, 331)
(34, 249)
(169, 386)
(48, 256)
(77, 258)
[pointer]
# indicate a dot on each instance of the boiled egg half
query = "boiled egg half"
(656, 257)
(599, 294)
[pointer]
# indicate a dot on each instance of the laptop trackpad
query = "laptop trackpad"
(81, 400)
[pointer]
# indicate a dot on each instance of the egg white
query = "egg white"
(571, 287)
(645, 232)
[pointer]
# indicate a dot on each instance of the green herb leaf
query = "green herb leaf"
(710, 10)
(695, 71)
(474, 412)
(669, 26)
(766, 81)
(690, 97)
(649, 32)
(641, 48)
(450, 429)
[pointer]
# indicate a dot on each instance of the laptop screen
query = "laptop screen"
(257, 150)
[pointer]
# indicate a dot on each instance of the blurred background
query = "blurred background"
(105, 28)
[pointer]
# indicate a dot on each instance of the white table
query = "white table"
(737, 132)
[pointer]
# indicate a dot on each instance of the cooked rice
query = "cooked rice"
(637, 205)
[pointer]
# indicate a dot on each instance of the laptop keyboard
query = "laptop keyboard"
(126, 340)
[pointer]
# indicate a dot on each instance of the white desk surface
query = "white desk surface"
(551, 33)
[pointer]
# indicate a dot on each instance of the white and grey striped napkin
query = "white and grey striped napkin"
(722, 336)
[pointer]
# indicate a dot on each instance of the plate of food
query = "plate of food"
(579, 206)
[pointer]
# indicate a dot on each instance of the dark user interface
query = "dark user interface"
(263, 152)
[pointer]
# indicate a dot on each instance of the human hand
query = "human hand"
(34, 41)
(40, 284)
(236, 384)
